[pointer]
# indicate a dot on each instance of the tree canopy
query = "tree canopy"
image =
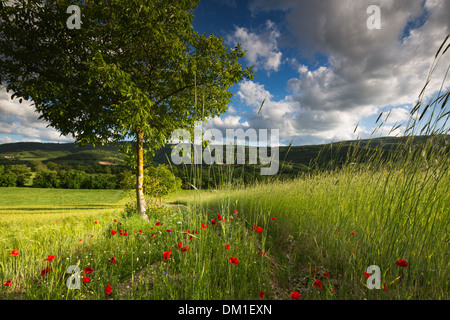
(135, 70)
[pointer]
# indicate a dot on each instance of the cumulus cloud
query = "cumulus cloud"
(261, 48)
(20, 119)
(366, 70)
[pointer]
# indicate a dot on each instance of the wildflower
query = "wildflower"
(314, 272)
(401, 263)
(108, 289)
(14, 253)
(125, 233)
(158, 223)
(227, 246)
(353, 234)
(179, 245)
(120, 223)
(263, 253)
(318, 284)
(273, 218)
(113, 260)
(326, 274)
(254, 227)
(184, 249)
(167, 254)
(295, 295)
(88, 270)
(95, 222)
(234, 260)
(86, 279)
(140, 231)
(7, 283)
(259, 229)
(45, 271)
(367, 275)
(213, 222)
(115, 220)
(50, 258)
(261, 294)
(113, 232)
(169, 231)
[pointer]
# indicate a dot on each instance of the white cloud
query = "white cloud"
(261, 49)
(367, 70)
(22, 120)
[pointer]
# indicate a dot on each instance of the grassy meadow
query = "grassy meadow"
(316, 235)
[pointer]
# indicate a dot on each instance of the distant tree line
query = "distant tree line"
(14, 175)
(159, 180)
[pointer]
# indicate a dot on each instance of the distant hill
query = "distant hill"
(70, 153)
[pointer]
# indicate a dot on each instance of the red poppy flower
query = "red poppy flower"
(254, 227)
(179, 245)
(401, 263)
(295, 295)
(158, 223)
(50, 258)
(88, 270)
(213, 222)
(204, 226)
(184, 249)
(313, 273)
(86, 279)
(367, 275)
(167, 254)
(318, 284)
(353, 233)
(235, 211)
(115, 220)
(108, 289)
(273, 218)
(263, 253)
(7, 283)
(113, 260)
(125, 233)
(261, 294)
(95, 222)
(140, 231)
(120, 223)
(14, 253)
(45, 271)
(234, 260)
(259, 229)
(168, 230)
(227, 246)
(113, 232)
(219, 217)
(326, 274)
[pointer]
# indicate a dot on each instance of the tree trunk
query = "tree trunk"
(140, 173)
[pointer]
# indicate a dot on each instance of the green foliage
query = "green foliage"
(14, 175)
(158, 181)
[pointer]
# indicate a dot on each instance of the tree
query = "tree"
(135, 70)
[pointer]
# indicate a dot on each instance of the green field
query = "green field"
(318, 236)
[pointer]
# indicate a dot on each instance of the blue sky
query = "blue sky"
(320, 68)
